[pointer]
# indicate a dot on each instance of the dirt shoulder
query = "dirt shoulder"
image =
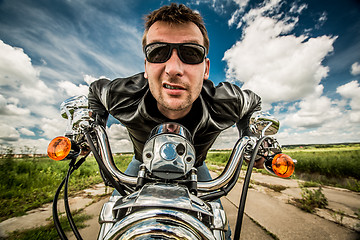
(275, 213)
(268, 214)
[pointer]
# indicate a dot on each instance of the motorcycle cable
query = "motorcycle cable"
(114, 183)
(224, 190)
(56, 220)
(245, 188)
(66, 202)
(55, 212)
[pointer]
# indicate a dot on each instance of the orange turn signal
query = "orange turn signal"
(282, 165)
(59, 148)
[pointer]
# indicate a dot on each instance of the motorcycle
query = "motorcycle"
(165, 200)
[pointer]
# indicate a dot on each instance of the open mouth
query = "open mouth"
(167, 86)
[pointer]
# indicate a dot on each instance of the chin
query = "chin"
(177, 106)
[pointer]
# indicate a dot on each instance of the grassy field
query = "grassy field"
(28, 183)
(335, 165)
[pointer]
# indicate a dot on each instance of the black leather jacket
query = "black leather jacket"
(130, 101)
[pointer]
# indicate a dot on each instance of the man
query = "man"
(174, 87)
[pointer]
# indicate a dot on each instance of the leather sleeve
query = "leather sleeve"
(97, 100)
(251, 103)
(229, 101)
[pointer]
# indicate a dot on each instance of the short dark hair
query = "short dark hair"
(176, 14)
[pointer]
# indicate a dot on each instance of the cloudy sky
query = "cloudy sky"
(302, 57)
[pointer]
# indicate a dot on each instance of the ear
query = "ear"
(145, 73)
(207, 68)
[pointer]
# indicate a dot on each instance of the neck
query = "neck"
(173, 114)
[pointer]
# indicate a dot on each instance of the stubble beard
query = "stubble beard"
(186, 103)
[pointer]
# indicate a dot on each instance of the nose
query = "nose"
(174, 66)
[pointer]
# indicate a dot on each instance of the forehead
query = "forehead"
(174, 33)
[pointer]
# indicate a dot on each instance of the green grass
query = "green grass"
(49, 231)
(335, 165)
(339, 167)
(219, 158)
(28, 183)
(328, 162)
(311, 199)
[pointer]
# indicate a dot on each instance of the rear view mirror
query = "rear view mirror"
(69, 106)
(75, 110)
(262, 124)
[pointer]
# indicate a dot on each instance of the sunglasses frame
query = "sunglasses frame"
(177, 47)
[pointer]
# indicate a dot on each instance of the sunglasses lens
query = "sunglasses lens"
(157, 53)
(191, 53)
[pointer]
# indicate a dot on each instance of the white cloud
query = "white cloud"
(321, 21)
(65, 52)
(117, 132)
(90, 79)
(73, 90)
(351, 92)
(273, 63)
(313, 111)
(119, 138)
(333, 130)
(8, 133)
(355, 68)
(18, 74)
(53, 127)
(9, 107)
(38, 146)
(286, 70)
(26, 132)
(27, 102)
(30, 102)
(226, 139)
(15, 67)
(318, 119)
(298, 9)
(236, 15)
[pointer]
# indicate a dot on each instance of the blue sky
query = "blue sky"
(302, 57)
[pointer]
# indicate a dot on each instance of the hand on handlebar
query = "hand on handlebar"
(260, 159)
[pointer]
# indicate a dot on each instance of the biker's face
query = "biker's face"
(175, 85)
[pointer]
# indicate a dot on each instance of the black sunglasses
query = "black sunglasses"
(189, 53)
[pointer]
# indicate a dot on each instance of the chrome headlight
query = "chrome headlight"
(169, 153)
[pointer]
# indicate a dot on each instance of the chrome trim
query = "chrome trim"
(220, 221)
(263, 124)
(75, 110)
(106, 213)
(161, 195)
(234, 162)
(140, 219)
(106, 216)
(104, 229)
(107, 159)
(162, 158)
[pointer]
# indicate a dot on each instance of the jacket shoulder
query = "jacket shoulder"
(125, 86)
(228, 99)
(222, 92)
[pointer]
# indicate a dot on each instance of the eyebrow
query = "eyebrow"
(190, 41)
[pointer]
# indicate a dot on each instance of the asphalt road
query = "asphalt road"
(267, 213)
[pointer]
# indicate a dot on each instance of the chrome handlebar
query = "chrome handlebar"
(75, 110)
(234, 163)
(108, 160)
